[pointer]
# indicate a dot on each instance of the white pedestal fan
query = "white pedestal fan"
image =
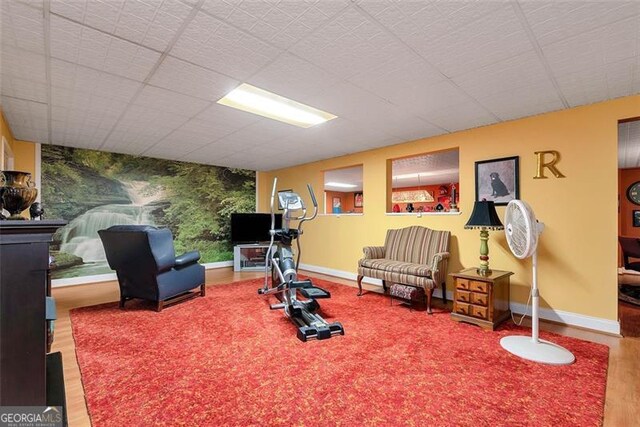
(522, 231)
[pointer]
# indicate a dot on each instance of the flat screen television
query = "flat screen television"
(252, 227)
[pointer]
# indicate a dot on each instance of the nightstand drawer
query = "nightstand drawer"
(461, 308)
(462, 284)
(479, 299)
(479, 312)
(463, 296)
(476, 286)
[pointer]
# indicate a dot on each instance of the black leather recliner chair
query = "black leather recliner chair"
(147, 267)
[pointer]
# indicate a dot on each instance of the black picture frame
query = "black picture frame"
(636, 218)
(502, 187)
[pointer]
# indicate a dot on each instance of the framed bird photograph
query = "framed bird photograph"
(497, 180)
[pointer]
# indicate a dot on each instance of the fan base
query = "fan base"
(541, 351)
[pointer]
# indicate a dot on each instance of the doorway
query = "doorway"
(629, 227)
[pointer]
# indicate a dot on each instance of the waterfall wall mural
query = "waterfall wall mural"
(94, 190)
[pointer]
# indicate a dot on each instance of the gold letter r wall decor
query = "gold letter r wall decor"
(551, 164)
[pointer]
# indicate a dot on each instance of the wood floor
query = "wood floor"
(622, 407)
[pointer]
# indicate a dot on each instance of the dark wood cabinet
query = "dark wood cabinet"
(481, 300)
(24, 261)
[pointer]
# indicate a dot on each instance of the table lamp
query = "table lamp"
(484, 217)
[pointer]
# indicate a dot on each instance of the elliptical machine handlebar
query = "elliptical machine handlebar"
(272, 234)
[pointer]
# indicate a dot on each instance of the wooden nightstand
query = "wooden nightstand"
(481, 300)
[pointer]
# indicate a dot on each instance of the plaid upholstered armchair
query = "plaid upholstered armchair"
(416, 256)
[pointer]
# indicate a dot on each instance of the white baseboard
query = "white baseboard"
(98, 278)
(565, 317)
(569, 318)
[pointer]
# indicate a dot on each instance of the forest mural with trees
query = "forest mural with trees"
(93, 190)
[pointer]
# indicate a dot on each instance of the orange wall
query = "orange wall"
(347, 201)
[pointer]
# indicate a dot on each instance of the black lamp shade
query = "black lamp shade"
(484, 215)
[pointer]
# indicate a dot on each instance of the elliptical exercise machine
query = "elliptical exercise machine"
(284, 271)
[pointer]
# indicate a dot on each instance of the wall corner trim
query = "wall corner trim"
(568, 318)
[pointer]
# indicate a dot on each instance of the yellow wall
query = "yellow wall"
(578, 249)
(24, 153)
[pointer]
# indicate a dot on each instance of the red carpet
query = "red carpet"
(228, 360)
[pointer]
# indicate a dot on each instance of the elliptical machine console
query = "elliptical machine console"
(284, 270)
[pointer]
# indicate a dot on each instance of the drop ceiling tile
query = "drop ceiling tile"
(555, 21)
(453, 49)
(213, 44)
(598, 83)
(263, 131)
(151, 24)
(22, 88)
(170, 102)
(281, 24)
(221, 9)
(142, 128)
(192, 80)
(238, 160)
(201, 132)
(87, 83)
(462, 13)
(349, 45)
(239, 141)
(397, 80)
(293, 78)
(224, 116)
(22, 26)
(512, 88)
(24, 64)
(27, 119)
(185, 137)
(522, 101)
(174, 148)
(606, 44)
(344, 100)
(209, 154)
(76, 43)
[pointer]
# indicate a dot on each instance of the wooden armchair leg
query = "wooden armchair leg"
(444, 293)
(384, 286)
(429, 295)
(203, 290)
(360, 276)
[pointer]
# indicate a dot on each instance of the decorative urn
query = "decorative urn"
(18, 192)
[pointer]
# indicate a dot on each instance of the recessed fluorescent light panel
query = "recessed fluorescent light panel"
(263, 103)
(339, 185)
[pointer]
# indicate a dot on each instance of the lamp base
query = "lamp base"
(484, 271)
(540, 351)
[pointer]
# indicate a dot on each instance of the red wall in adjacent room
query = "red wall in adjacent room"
(347, 200)
(626, 177)
(435, 191)
(625, 215)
